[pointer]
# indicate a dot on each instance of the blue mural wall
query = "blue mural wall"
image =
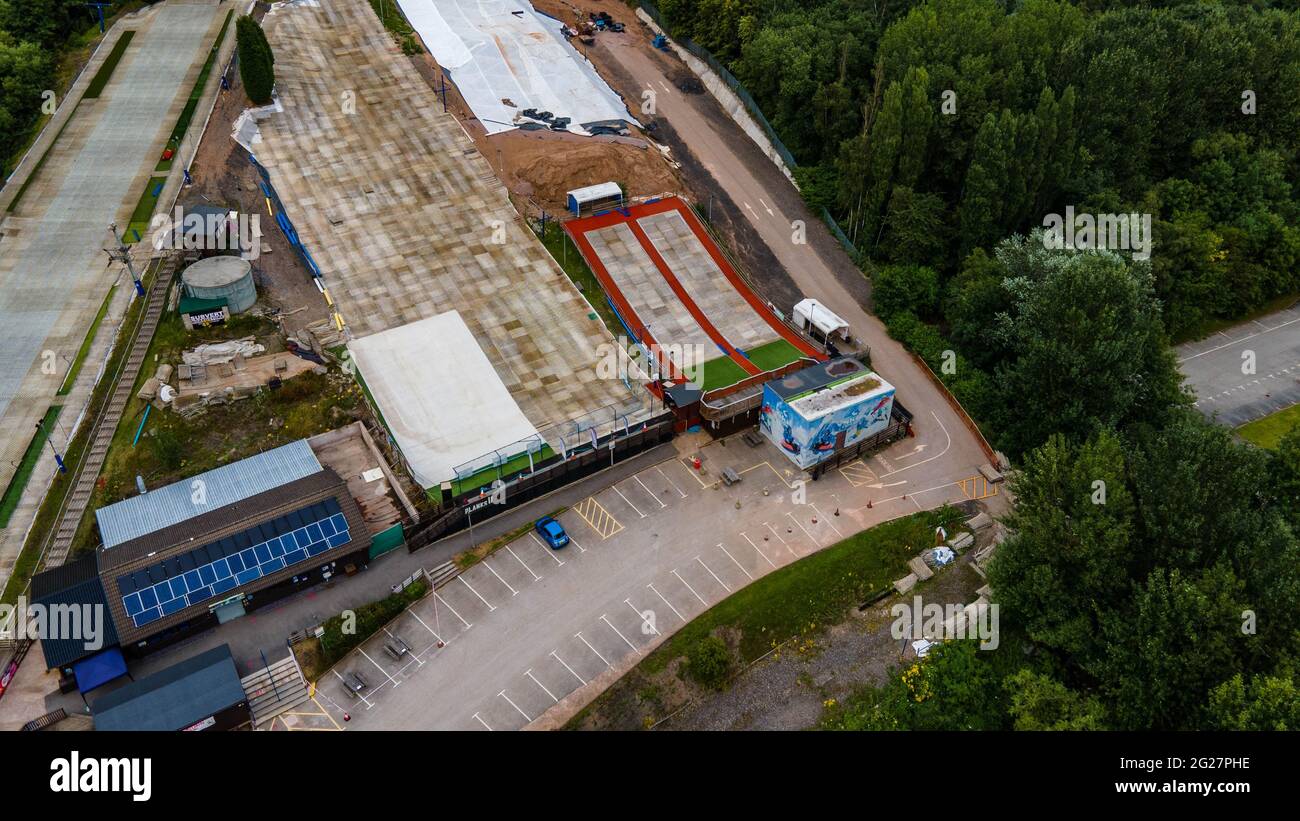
(809, 442)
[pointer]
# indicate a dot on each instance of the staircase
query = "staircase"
(274, 689)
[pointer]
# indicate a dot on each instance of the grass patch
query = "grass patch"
(773, 355)
(105, 73)
(71, 378)
(391, 16)
(795, 601)
(1267, 432)
(14, 493)
(721, 372)
(143, 213)
(369, 619)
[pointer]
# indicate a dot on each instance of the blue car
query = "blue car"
(552, 532)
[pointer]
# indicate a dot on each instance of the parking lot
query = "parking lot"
(1248, 371)
(508, 639)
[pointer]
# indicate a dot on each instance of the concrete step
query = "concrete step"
(274, 689)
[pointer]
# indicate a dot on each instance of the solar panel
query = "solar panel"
(200, 574)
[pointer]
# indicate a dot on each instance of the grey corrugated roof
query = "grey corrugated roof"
(75, 583)
(174, 698)
(172, 504)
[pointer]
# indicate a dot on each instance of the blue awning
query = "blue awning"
(99, 670)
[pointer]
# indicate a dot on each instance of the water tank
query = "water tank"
(222, 277)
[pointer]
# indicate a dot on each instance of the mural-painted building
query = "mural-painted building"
(812, 413)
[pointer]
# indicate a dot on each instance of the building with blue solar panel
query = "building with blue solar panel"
(186, 557)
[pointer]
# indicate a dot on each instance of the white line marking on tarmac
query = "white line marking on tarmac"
(711, 573)
(512, 704)
(629, 502)
(350, 690)
(546, 549)
(671, 482)
(452, 609)
(567, 667)
(756, 550)
(536, 577)
(692, 589)
(733, 559)
(665, 601)
(475, 592)
(513, 591)
(593, 649)
(821, 516)
(620, 635)
(426, 627)
(481, 721)
(391, 680)
(1237, 341)
(804, 529)
(414, 654)
(581, 549)
(651, 492)
(778, 535)
(529, 673)
(643, 619)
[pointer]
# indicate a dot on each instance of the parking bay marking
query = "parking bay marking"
(651, 492)
(512, 704)
(481, 721)
(426, 627)
(547, 550)
(671, 482)
(620, 635)
(692, 589)
(665, 601)
(391, 680)
(640, 615)
(567, 667)
(711, 573)
(513, 591)
(738, 564)
(756, 550)
(529, 673)
(475, 592)
(350, 690)
(453, 611)
(597, 517)
(629, 501)
(536, 577)
(593, 649)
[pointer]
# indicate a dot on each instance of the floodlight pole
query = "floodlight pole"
(122, 253)
(58, 458)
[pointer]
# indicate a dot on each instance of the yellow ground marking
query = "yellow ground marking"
(600, 519)
(977, 487)
(858, 473)
(775, 472)
(319, 711)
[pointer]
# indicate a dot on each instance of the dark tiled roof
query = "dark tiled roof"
(74, 584)
(816, 376)
(173, 698)
(214, 525)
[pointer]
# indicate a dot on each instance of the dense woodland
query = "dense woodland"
(33, 33)
(1153, 576)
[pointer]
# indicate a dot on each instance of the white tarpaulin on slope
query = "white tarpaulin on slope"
(504, 49)
(439, 395)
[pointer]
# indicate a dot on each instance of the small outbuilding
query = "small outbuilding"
(595, 198)
(201, 693)
(818, 321)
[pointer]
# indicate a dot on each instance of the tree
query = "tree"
(898, 288)
(1040, 702)
(709, 661)
(1284, 471)
(1269, 702)
(255, 60)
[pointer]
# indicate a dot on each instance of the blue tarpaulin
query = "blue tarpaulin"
(99, 670)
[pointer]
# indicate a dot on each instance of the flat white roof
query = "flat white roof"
(439, 395)
(834, 397)
(596, 192)
(497, 50)
(826, 320)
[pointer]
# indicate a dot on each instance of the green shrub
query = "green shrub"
(256, 62)
(898, 288)
(335, 643)
(708, 662)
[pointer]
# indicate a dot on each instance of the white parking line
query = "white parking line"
(644, 622)
(651, 492)
(481, 721)
(828, 521)
(529, 673)
(391, 680)
(804, 529)
(546, 549)
(350, 690)
(581, 549)
(692, 589)
(425, 626)
(512, 704)
(536, 577)
(414, 654)
(567, 667)
(620, 635)
(513, 591)
(629, 501)
(452, 609)
(738, 564)
(756, 550)
(774, 533)
(671, 482)
(711, 573)
(665, 601)
(593, 649)
(475, 592)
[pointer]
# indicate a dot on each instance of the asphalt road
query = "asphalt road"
(1247, 371)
